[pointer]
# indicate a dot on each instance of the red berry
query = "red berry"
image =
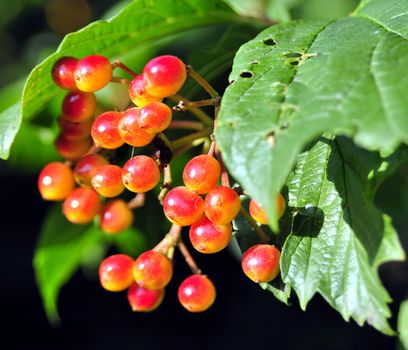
(72, 149)
(107, 181)
(78, 106)
(82, 205)
(207, 237)
(261, 262)
(86, 168)
(196, 293)
(140, 174)
(165, 75)
(92, 73)
(55, 181)
(116, 216)
(131, 132)
(258, 213)
(115, 272)
(182, 206)
(152, 270)
(63, 73)
(202, 173)
(138, 93)
(155, 117)
(222, 204)
(105, 131)
(76, 130)
(144, 300)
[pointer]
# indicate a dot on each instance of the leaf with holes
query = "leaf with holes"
(295, 81)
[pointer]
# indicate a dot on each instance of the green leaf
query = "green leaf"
(403, 324)
(295, 81)
(10, 121)
(60, 251)
(344, 238)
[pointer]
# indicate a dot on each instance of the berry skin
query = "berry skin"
(72, 149)
(63, 73)
(86, 168)
(138, 94)
(196, 293)
(92, 73)
(182, 206)
(201, 173)
(115, 272)
(131, 132)
(258, 213)
(78, 106)
(107, 181)
(261, 262)
(116, 216)
(140, 174)
(144, 300)
(222, 204)
(152, 270)
(155, 117)
(165, 75)
(105, 131)
(82, 205)
(207, 237)
(75, 130)
(55, 181)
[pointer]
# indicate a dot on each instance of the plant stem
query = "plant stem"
(224, 173)
(199, 113)
(262, 235)
(187, 147)
(121, 65)
(182, 141)
(188, 258)
(170, 240)
(122, 81)
(166, 183)
(200, 80)
(138, 201)
(183, 106)
(186, 124)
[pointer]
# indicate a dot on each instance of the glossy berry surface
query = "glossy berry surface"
(131, 132)
(152, 270)
(138, 94)
(105, 131)
(144, 300)
(115, 272)
(182, 206)
(55, 181)
(82, 205)
(165, 75)
(196, 293)
(63, 73)
(140, 174)
(78, 106)
(259, 214)
(72, 149)
(92, 73)
(202, 173)
(261, 262)
(86, 168)
(155, 117)
(116, 216)
(207, 237)
(76, 130)
(107, 181)
(222, 204)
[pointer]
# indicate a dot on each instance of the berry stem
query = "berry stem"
(167, 180)
(121, 65)
(171, 239)
(212, 149)
(187, 147)
(224, 173)
(182, 141)
(183, 106)
(199, 113)
(188, 258)
(200, 80)
(122, 81)
(138, 201)
(186, 124)
(261, 234)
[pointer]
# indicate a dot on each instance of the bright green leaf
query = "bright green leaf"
(10, 121)
(403, 324)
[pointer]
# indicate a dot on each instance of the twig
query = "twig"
(138, 201)
(121, 65)
(182, 141)
(188, 258)
(200, 80)
(199, 113)
(262, 235)
(166, 183)
(122, 81)
(186, 124)
(170, 240)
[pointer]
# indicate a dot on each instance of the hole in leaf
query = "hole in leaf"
(293, 54)
(270, 137)
(269, 42)
(294, 63)
(246, 74)
(254, 62)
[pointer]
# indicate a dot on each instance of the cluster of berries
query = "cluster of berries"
(204, 205)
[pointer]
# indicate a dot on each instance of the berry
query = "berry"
(144, 300)
(222, 205)
(63, 72)
(107, 181)
(86, 168)
(140, 174)
(152, 270)
(81, 206)
(207, 237)
(105, 131)
(72, 149)
(182, 206)
(165, 75)
(115, 272)
(155, 117)
(131, 132)
(75, 130)
(116, 216)
(261, 262)
(258, 213)
(55, 181)
(138, 93)
(201, 173)
(78, 106)
(92, 73)
(196, 293)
